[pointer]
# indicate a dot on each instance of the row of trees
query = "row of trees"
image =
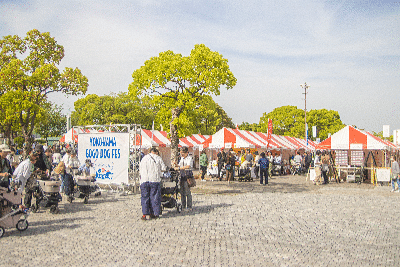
(206, 117)
(289, 121)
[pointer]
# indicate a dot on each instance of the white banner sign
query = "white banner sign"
(109, 153)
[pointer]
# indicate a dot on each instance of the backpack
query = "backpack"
(264, 163)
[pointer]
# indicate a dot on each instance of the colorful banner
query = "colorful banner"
(269, 132)
(109, 153)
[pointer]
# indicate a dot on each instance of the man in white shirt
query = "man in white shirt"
(150, 169)
(24, 170)
(297, 158)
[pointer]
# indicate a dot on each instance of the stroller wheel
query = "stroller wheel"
(22, 225)
(86, 200)
(179, 208)
(1, 231)
(54, 209)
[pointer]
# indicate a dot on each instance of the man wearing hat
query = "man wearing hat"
(42, 162)
(150, 168)
(5, 166)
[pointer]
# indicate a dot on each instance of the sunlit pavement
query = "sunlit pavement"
(289, 222)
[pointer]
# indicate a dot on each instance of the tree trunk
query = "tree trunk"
(174, 135)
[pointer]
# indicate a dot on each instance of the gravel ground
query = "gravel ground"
(290, 222)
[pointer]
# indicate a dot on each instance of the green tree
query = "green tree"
(380, 135)
(120, 108)
(255, 127)
(206, 117)
(29, 72)
(178, 83)
(327, 121)
(52, 121)
(286, 120)
(289, 121)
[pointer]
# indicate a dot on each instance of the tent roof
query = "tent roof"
(352, 138)
(245, 139)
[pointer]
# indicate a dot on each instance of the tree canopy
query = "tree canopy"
(51, 122)
(29, 72)
(289, 121)
(118, 108)
(178, 83)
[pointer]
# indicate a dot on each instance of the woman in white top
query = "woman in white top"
(186, 165)
(73, 163)
(56, 157)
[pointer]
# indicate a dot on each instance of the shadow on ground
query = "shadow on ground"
(197, 209)
(281, 184)
(46, 226)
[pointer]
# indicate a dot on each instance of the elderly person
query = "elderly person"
(5, 166)
(24, 170)
(394, 175)
(150, 169)
(186, 166)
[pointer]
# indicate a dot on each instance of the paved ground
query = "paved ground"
(288, 223)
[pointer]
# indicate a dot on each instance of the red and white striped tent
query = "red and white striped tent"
(72, 136)
(352, 138)
(160, 138)
(236, 138)
(194, 140)
(151, 138)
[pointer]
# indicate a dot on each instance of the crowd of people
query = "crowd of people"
(42, 162)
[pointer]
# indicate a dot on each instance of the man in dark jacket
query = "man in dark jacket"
(5, 166)
(42, 163)
(307, 161)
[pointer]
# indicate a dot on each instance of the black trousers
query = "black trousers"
(263, 173)
(203, 171)
(220, 165)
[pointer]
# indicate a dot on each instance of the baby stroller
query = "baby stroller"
(84, 181)
(47, 194)
(245, 174)
(170, 190)
(295, 168)
(12, 213)
(86, 186)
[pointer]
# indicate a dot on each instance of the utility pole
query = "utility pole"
(305, 87)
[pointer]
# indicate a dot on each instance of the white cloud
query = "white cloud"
(345, 53)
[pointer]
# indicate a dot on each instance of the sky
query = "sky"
(348, 52)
